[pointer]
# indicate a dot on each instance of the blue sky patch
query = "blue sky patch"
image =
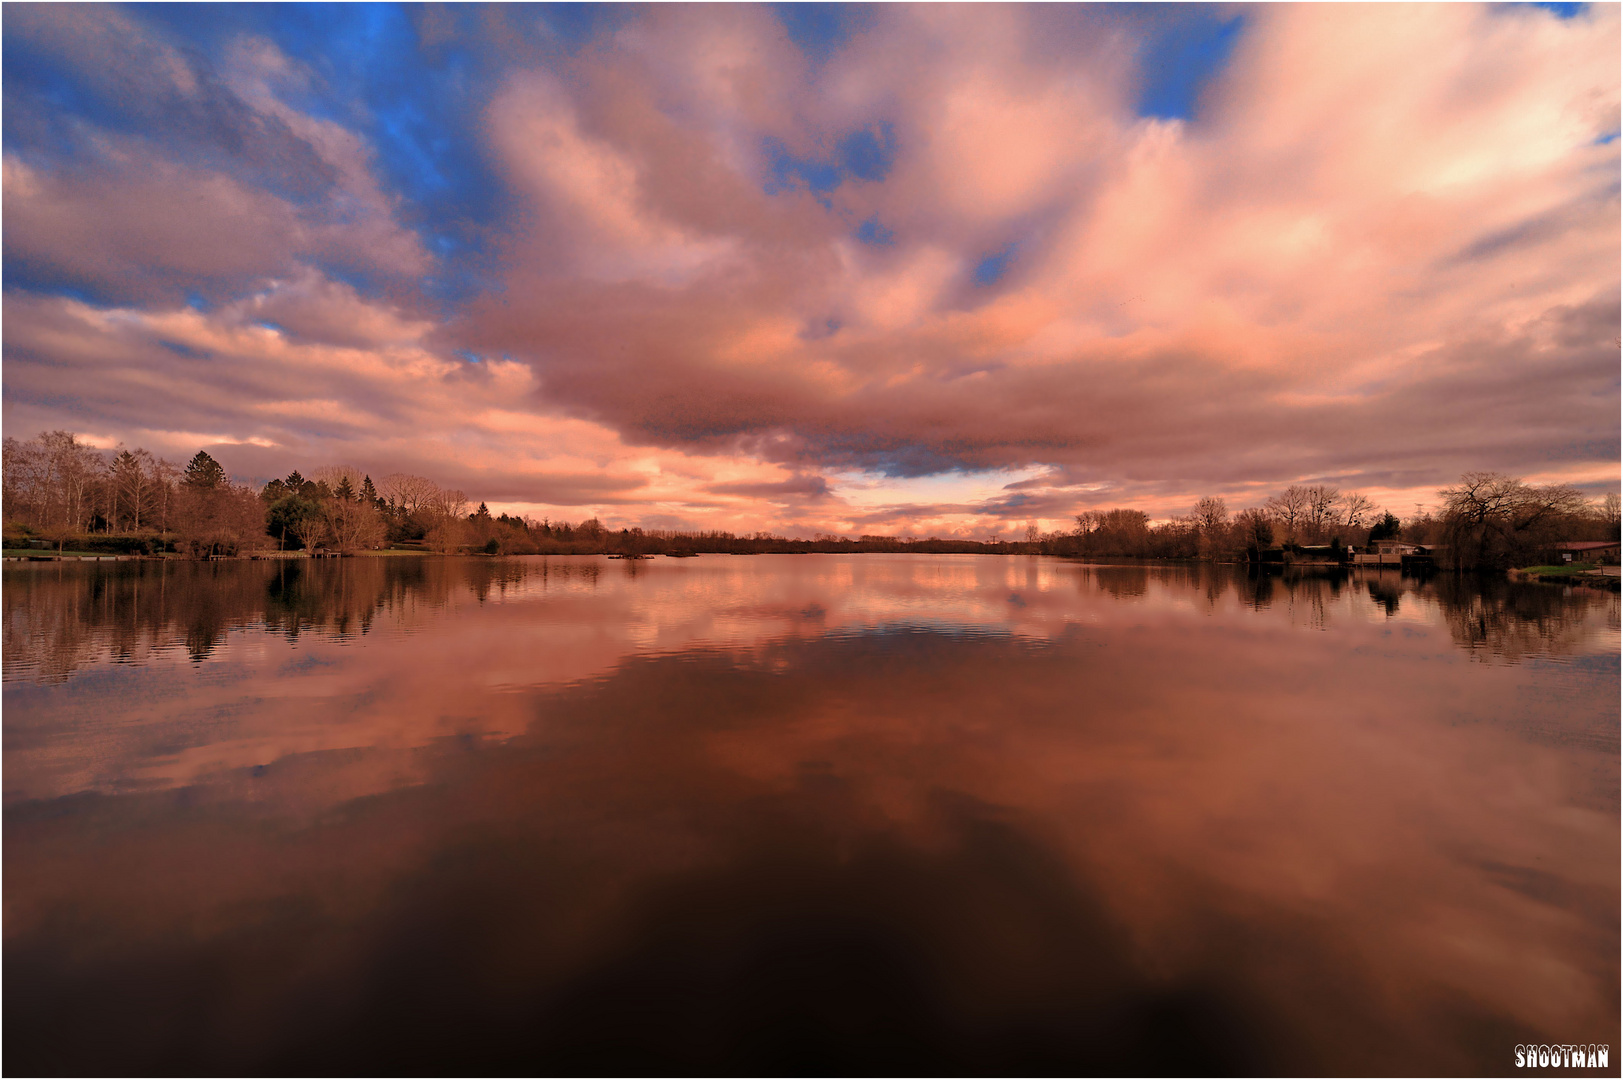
(183, 350)
(30, 275)
(869, 153)
(789, 172)
(871, 232)
(1178, 61)
(819, 30)
(416, 95)
(990, 270)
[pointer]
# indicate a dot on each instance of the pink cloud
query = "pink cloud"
(1386, 251)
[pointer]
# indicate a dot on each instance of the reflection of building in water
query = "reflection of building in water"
(1386, 590)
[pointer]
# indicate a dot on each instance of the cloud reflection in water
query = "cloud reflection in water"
(784, 814)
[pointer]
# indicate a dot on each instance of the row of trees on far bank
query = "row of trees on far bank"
(1299, 515)
(60, 489)
(1487, 521)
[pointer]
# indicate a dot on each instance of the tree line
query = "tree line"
(60, 489)
(1486, 521)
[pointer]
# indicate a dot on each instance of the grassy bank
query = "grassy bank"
(1577, 573)
(1564, 570)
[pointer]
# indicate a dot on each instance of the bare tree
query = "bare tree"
(1290, 509)
(1114, 532)
(51, 480)
(220, 519)
(23, 481)
(1322, 501)
(135, 479)
(1356, 509)
(442, 514)
(1210, 515)
(1256, 528)
(408, 493)
(1494, 520)
(350, 525)
(446, 534)
(310, 528)
(165, 474)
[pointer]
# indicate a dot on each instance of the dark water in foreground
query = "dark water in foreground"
(804, 814)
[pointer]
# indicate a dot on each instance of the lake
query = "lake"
(803, 814)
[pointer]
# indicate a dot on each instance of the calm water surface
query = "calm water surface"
(803, 814)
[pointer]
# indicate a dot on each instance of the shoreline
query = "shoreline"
(1597, 579)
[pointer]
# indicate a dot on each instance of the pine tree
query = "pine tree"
(369, 494)
(204, 472)
(344, 492)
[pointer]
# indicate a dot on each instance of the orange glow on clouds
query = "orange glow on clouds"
(1383, 251)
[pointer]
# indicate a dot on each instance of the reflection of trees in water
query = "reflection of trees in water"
(1123, 582)
(1484, 615)
(1386, 590)
(1257, 587)
(1210, 581)
(342, 597)
(1308, 599)
(60, 618)
(1307, 596)
(1489, 616)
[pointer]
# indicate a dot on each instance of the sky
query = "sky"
(934, 270)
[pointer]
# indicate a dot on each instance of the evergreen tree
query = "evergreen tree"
(1388, 528)
(369, 494)
(204, 472)
(344, 492)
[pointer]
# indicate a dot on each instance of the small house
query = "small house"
(1387, 553)
(1600, 551)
